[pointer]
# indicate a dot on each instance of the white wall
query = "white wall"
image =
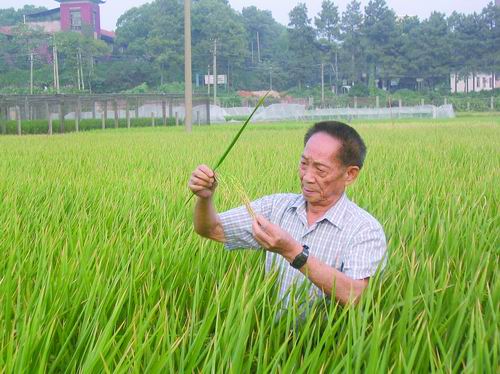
(478, 82)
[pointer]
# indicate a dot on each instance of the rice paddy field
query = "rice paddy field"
(101, 271)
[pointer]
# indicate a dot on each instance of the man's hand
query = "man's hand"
(275, 239)
(324, 276)
(202, 182)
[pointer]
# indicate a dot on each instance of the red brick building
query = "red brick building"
(77, 13)
(72, 15)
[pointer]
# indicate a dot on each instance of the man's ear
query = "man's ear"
(351, 173)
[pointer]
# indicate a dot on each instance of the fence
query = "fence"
(65, 113)
(460, 104)
(37, 114)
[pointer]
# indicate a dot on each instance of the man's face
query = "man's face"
(323, 177)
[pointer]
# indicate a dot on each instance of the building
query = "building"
(474, 82)
(71, 15)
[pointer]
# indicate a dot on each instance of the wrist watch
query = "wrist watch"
(301, 259)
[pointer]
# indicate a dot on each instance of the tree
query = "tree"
(132, 35)
(149, 49)
(327, 22)
(12, 17)
(154, 33)
(328, 31)
(216, 20)
(25, 41)
(267, 51)
(468, 45)
(490, 18)
(263, 23)
(379, 31)
(406, 68)
(163, 41)
(427, 50)
(302, 44)
(77, 52)
(352, 41)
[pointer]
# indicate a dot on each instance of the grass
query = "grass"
(101, 270)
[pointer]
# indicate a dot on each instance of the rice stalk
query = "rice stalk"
(235, 139)
(101, 271)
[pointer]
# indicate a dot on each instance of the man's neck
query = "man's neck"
(319, 209)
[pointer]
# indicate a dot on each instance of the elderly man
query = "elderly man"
(318, 235)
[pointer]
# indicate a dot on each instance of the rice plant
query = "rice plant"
(101, 270)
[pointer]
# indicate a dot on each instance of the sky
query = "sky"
(112, 9)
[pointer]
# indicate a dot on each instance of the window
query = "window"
(477, 82)
(94, 17)
(76, 20)
(491, 82)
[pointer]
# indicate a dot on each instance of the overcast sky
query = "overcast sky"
(280, 8)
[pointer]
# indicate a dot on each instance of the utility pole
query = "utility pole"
(91, 73)
(227, 77)
(215, 71)
(252, 51)
(270, 79)
(78, 72)
(81, 69)
(54, 64)
(208, 80)
(336, 73)
(188, 84)
(56, 68)
(57, 72)
(322, 84)
(31, 73)
(258, 47)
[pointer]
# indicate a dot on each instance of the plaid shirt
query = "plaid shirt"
(347, 237)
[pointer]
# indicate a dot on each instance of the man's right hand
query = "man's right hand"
(202, 182)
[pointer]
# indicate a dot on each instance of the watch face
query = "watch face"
(299, 261)
(301, 258)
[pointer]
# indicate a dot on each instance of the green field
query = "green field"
(100, 270)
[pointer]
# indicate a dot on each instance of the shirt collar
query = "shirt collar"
(334, 215)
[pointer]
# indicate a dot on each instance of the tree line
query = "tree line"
(361, 47)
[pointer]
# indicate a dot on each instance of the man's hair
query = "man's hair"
(353, 149)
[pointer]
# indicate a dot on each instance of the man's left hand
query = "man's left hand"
(275, 239)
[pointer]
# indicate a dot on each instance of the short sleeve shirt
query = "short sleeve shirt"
(347, 237)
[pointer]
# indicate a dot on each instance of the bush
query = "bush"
(142, 88)
(359, 90)
(42, 126)
(230, 100)
(236, 118)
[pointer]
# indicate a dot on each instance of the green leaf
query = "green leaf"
(235, 139)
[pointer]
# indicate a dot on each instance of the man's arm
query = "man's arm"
(331, 281)
(206, 221)
(328, 279)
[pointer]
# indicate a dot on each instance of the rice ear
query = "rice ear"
(245, 199)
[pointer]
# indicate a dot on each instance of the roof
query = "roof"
(108, 36)
(272, 93)
(44, 13)
(69, 1)
(6, 30)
